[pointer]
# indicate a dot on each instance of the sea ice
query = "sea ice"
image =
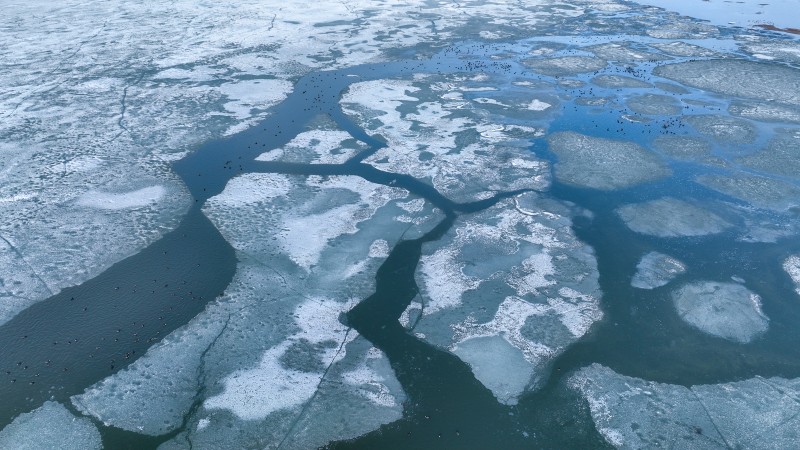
(766, 112)
(678, 48)
(624, 52)
(759, 81)
(601, 163)
(48, 427)
(757, 413)
(566, 65)
(655, 270)
(761, 192)
(619, 81)
(780, 157)
(513, 273)
(724, 129)
(670, 217)
(726, 310)
(653, 104)
(792, 267)
(682, 147)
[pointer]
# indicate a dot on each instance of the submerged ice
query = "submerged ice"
(670, 217)
(655, 270)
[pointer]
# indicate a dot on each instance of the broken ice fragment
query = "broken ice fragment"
(725, 310)
(670, 217)
(601, 163)
(50, 426)
(655, 270)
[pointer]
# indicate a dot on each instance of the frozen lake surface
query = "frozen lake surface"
(418, 224)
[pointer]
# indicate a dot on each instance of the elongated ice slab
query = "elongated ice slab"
(619, 81)
(50, 426)
(725, 310)
(758, 413)
(670, 217)
(601, 163)
(566, 65)
(655, 270)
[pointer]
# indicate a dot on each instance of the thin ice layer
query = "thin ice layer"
(605, 164)
(724, 129)
(758, 413)
(761, 192)
(508, 287)
(780, 157)
(725, 310)
(670, 217)
(655, 270)
(50, 426)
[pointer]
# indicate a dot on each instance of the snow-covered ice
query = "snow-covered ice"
(726, 310)
(655, 270)
(48, 427)
(513, 273)
(670, 217)
(601, 163)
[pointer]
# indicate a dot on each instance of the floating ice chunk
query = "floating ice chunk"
(785, 50)
(768, 82)
(126, 200)
(679, 48)
(760, 192)
(566, 65)
(498, 365)
(618, 81)
(600, 163)
(319, 146)
(655, 270)
(670, 217)
(767, 112)
(538, 105)
(725, 129)
(780, 157)
(245, 95)
(51, 426)
(634, 413)
(726, 310)
(623, 52)
(653, 104)
(682, 147)
(682, 29)
(514, 272)
(792, 267)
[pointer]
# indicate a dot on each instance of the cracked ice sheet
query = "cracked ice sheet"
(510, 286)
(758, 413)
(444, 140)
(50, 426)
(280, 315)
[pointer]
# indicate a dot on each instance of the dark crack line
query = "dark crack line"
(307, 404)
(711, 419)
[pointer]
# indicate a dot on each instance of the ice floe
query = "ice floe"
(48, 427)
(510, 286)
(792, 267)
(780, 157)
(566, 65)
(653, 104)
(725, 310)
(442, 143)
(655, 270)
(682, 147)
(217, 375)
(758, 413)
(601, 163)
(767, 112)
(619, 81)
(670, 217)
(768, 82)
(761, 192)
(624, 52)
(724, 129)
